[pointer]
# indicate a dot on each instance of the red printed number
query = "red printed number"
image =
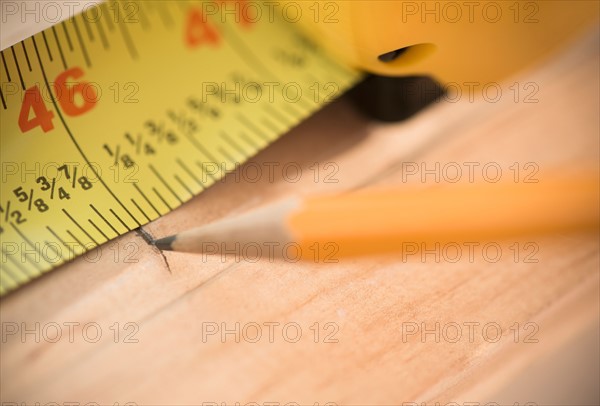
(199, 30)
(41, 115)
(74, 100)
(77, 99)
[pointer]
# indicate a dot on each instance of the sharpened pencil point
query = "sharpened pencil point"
(164, 244)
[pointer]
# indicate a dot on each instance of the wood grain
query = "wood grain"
(370, 300)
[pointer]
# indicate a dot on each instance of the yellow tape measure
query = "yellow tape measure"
(118, 115)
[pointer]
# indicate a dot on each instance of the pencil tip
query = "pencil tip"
(164, 244)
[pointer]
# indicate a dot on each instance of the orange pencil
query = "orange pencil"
(376, 221)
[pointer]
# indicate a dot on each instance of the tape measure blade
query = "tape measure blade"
(109, 123)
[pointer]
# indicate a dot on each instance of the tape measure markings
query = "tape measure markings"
(162, 180)
(68, 38)
(12, 50)
(187, 170)
(24, 270)
(35, 264)
(136, 187)
(86, 56)
(86, 24)
(140, 209)
(243, 49)
(172, 173)
(4, 64)
(83, 155)
(79, 226)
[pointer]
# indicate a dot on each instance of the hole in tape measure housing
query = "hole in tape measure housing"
(406, 55)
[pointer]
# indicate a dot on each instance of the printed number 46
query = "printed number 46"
(65, 95)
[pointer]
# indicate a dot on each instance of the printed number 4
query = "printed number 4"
(199, 30)
(42, 117)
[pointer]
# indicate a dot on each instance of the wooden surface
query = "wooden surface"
(371, 301)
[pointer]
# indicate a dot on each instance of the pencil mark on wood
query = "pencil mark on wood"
(146, 236)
